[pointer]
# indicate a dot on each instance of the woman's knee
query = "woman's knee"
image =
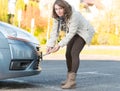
(74, 54)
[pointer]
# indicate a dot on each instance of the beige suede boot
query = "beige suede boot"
(64, 82)
(71, 82)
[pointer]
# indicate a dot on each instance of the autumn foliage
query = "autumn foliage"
(32, 13)
(106, 23)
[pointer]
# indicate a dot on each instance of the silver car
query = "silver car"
(19, 52)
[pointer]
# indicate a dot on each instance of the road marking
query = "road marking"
(94, 73)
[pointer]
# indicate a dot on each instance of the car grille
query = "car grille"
(20, 64)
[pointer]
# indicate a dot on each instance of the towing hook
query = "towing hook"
(40, 56)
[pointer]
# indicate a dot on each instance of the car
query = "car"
(19, 52)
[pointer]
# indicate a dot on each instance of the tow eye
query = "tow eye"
(40, 56)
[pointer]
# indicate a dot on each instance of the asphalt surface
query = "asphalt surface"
(93, 75)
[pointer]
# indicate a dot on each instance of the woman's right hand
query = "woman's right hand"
(48, 50)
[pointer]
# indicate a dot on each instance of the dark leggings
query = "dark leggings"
(73, 50)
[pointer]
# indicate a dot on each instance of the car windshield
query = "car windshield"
(9, 30)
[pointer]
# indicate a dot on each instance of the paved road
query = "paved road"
(93, 75)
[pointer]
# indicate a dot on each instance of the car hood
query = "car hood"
(11, 31)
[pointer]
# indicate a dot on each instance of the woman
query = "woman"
(78, 33)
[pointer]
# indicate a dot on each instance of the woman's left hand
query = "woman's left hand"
(55, 49)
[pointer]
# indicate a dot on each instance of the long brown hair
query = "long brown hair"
(67, 8)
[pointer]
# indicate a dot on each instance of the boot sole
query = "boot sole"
(63, 83)
(71, 87)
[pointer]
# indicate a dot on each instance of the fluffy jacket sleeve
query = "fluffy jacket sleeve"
(53, 34)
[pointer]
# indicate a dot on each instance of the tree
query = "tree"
(3, 10)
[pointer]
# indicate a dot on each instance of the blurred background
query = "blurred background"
(35, 17)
